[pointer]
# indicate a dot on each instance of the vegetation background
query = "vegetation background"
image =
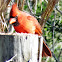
(52, 30)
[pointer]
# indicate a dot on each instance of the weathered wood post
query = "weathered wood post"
(20, 47)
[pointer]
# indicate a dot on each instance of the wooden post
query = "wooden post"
(41, 45)
(20, 47)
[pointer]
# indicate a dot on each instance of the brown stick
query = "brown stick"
(47, 12)
(22, 4)
(4, 5)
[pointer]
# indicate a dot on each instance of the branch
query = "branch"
(22, 5)
(4, 5)
(53, 30)
(54, 57)
(58, 10)
(31, 12)
(21, 2)
(35, 6)
(59, 54)
(54, 26)
(47, 12)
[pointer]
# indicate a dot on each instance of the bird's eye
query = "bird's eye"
(11, 17)
(16, 17)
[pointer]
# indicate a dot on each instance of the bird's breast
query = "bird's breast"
(19, 29)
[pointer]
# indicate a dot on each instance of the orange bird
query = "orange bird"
(24, 22)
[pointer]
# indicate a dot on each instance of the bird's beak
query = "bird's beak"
(12, 20)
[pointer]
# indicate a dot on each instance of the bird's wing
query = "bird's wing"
(36, 24)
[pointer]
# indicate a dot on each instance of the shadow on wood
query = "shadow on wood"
(20, 48)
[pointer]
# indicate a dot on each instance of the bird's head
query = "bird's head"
(14, 14)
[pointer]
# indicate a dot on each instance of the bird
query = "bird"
(23, 22)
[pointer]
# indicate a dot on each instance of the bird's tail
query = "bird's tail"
(46, 51)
